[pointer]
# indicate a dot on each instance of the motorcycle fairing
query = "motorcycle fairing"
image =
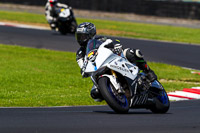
(64, 13)
(156, 84)
(122, 66)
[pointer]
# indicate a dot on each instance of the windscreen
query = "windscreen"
(93, 45)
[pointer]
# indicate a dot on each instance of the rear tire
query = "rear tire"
(162, 103)
(118, 102)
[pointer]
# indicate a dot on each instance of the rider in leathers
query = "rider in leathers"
(87, 31)
(50, 12)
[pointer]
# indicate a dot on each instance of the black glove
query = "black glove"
(117, 48)
(151, 76)
(83, 68)
(84, 75)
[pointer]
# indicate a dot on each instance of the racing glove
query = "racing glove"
(84, 75)
(118, 48)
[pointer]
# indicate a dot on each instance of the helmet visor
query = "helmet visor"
(82, 37)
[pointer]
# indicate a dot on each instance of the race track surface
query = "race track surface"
(183, 117)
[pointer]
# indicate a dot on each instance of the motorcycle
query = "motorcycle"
(65, 20)
(120, 83)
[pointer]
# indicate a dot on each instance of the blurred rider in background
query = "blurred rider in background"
(87, 31)
(50, 12)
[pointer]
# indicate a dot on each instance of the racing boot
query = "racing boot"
(95, 94)
(151, 76)
(53, 26)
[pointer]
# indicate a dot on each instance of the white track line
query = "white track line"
(23, 26)
(182, 95)
(195, 87)
(185, 94)
(176, 98)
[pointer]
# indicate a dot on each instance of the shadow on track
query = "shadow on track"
(131, 111)
(112, 112)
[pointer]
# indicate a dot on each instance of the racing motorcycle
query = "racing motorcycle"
(65, 20)
(120, 83)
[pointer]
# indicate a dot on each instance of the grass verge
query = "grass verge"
(117, 28)
(36, 77)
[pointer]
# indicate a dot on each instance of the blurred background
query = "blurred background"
(189, 9)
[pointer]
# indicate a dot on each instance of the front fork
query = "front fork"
(116, 84)
(113, 80)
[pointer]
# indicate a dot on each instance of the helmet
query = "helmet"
(84, 33)
(52, 2)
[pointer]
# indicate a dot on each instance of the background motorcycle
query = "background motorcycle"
(120, 82)
(65, 20)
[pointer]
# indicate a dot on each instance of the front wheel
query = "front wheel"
(118, 102)
(62, 29)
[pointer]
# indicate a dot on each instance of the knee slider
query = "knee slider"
(138, 53)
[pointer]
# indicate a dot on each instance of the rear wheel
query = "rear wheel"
(162, 103)
(118, 102)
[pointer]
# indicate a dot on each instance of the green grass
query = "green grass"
(36, 77)
(32, 77)
(175, 78)
(117, 28)
(22, 17)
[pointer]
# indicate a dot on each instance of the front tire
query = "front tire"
(62, 30)
(118, 102)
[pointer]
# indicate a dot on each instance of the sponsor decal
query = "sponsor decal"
(80, 29)
(91, 53)
(120, 68)
(62, 9)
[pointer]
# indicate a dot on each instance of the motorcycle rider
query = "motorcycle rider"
(87, 31)
(50, 12)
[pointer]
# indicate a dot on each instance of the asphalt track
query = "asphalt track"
(183, 117)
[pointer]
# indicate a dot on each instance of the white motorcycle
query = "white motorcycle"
(65, 21)
(120, 82)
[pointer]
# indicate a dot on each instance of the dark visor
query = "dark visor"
(80, 37)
